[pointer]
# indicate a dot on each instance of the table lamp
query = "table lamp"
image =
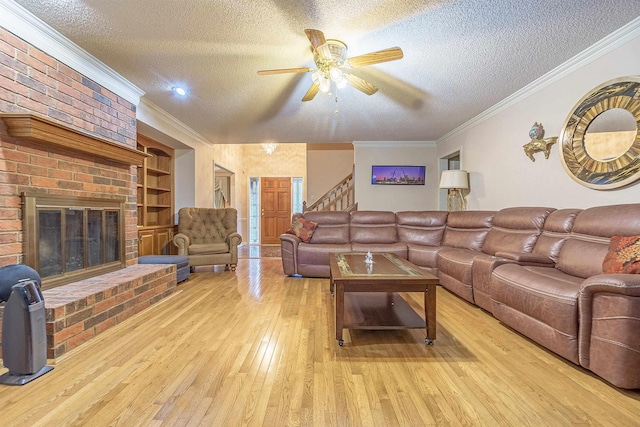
(455, 180)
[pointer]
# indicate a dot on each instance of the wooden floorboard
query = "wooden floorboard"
(257, 348)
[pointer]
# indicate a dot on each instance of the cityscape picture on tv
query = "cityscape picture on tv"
(397, 175)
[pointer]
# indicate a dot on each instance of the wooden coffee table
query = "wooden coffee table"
(366, 294)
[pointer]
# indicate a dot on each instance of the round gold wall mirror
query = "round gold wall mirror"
(600, 140)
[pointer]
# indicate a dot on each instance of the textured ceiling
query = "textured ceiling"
(460, 58)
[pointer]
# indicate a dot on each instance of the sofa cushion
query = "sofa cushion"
(515, 229)
(555, 232)
(318, 253)
(423, 227)
(623, 255)
(208, 248)
(333, 227)
(423, 256)
(467, 229)
(303, 228)
(539, 302)
(373, 227)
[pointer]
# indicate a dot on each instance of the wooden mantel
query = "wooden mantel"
(38, 129)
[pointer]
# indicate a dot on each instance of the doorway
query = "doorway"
(275, 198)
(223, 183)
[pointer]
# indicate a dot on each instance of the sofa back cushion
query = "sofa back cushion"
(555, 232)
(207, 225)
(332, 228)
(421, 227)
(585, 249)
(467, 229)
(373, 227)
(515, 229)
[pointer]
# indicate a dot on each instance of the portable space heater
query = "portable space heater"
(24, 337)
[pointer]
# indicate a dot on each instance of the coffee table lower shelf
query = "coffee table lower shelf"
(379, 311)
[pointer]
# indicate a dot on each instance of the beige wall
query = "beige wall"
(327, 165)
(501, 175)
(401, 197)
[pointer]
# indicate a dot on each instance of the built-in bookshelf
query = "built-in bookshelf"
(155, 198)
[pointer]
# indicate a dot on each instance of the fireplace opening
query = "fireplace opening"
(73, 238)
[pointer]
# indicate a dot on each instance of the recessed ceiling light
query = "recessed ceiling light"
(179, 91)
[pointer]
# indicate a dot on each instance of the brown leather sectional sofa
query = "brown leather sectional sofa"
(536, 269)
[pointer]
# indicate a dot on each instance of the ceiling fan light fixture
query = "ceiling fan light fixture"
(325, 85)
(335, 73)
(317, 77)
(330, 57)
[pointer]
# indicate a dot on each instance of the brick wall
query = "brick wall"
(33, 82)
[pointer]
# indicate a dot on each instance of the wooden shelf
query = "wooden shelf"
(41, 130)
(155, 199)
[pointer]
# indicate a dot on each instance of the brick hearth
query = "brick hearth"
(79, 311)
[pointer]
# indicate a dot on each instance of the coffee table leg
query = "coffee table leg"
(430, 313)
(339, 312)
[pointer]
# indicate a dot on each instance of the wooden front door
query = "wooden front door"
(275, 199)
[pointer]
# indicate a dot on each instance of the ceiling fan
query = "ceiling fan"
(331, 59)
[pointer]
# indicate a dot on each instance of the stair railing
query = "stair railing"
(340, 198)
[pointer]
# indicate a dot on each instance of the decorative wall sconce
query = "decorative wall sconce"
(455, 181)
(269, 147)
(538, 142)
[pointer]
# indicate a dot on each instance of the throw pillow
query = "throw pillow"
(303, 228)
(623, 255)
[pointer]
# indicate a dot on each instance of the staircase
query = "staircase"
(340, 198)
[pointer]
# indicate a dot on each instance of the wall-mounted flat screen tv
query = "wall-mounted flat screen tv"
(397, 175)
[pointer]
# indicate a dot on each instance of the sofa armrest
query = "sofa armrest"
(609, 312)
(233, 241)
(289, 248)
(182, 241)
(526, 258)
(625, 284)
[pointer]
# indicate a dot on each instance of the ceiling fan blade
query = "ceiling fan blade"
(319, 43)
(316, 37)
(285, 70)
(313, 90)
(391, 54)
(360, 84)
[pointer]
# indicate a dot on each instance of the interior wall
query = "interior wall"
(231, 158)
(501, 175)
(327, 165)
(185, 182)
(398, 197)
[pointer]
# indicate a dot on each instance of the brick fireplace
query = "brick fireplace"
(62, 134)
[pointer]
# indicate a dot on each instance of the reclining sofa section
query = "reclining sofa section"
(536, 269)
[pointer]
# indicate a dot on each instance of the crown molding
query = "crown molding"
(17, 20)
(394, 144)
(593, 52)
(152, 115)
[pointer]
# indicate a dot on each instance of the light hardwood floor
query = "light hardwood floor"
(257, 348)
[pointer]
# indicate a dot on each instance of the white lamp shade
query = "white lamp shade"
(454, 179)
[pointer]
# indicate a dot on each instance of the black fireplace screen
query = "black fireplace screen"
(73, 238)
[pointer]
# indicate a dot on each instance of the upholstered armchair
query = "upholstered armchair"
(208, 236)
